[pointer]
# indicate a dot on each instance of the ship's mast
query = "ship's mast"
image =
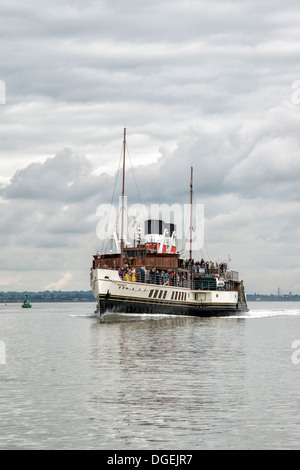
(191, 214)
(122, 196)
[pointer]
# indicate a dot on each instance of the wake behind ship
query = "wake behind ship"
(152, 277)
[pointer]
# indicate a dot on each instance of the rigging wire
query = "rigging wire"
(134, 178)
(194, 201)
(113, 196)
(110, 206)
(204, 240)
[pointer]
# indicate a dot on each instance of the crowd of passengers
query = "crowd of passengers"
(171, 278)
(209, 266)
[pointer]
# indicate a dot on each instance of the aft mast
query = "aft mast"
(191, 216)
(123, 196)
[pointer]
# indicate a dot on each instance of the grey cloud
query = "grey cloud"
(271, 166)
(65, 177)
(164, 51)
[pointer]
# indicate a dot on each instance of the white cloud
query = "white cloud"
(62, 283)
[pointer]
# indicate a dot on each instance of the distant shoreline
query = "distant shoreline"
(87, 296)
(47, 296)
(273, 298)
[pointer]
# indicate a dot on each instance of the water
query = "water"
(69, 381)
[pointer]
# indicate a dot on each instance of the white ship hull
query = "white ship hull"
(113, 294)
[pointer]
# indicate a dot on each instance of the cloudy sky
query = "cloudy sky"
(215, 84)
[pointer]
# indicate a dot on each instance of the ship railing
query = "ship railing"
(220, 271)
(184, 278)
(158, 279)
(232, 276)
(176, 281)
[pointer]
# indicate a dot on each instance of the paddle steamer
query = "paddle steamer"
(152, 278)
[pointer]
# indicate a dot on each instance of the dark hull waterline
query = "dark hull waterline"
(129, 306)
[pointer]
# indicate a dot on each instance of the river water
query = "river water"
(71, 381)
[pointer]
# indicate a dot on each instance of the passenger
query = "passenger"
(152, 275)
(132, 275)
(175, 279)
(165, 278)
(143, 274)
(121, 272)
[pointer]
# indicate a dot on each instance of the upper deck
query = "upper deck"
(137, 257)
(146, 265)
